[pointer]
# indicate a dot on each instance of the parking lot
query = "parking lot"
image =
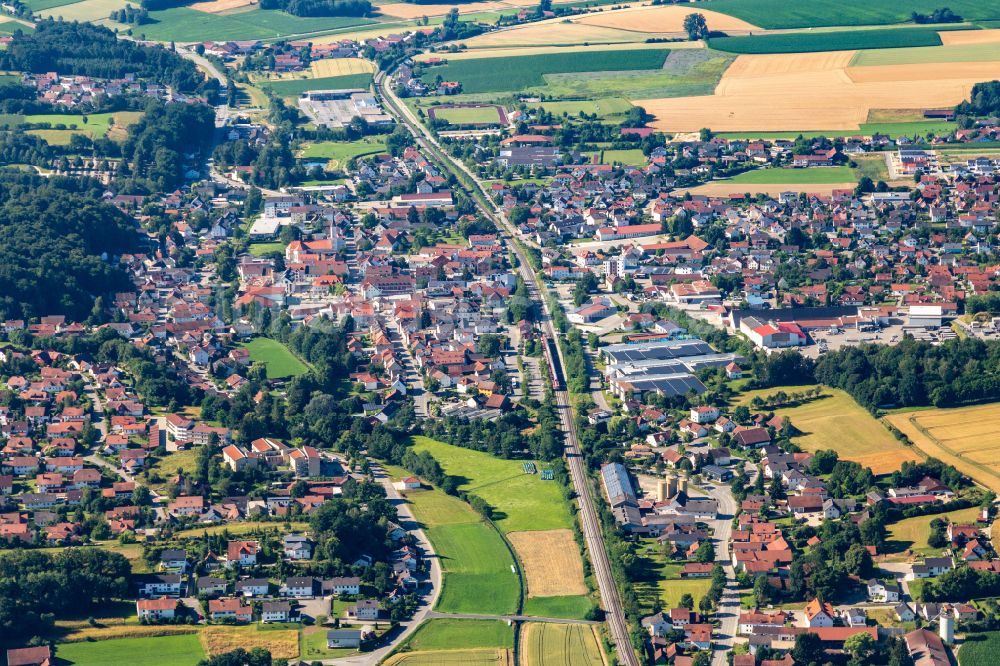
(826, 340)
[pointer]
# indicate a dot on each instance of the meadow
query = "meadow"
(630, 157)
(573, 607)
(339, 152)
(295, 87)
(183, 650)
(889, 128)
(837, 174)
(966, 437)
(979, 649)
(281, 640)
(911, 534)
(183, 24)
(276, 357)
(482, 115)
(449, 634)
(86, 10)
(93, 125)
(477, 565)
(545, 644)
(603, 108)
(10, 27)
(841, 40)
(551, 563)
(968, 52)
(517, 73)
(521, 502)
(835, 421)
(774, 14)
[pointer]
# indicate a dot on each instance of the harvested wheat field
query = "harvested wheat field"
(452, 658)
(724, 189)
(321, 69)
(219, 6)
(282, 643)
(555, 33)
(950, 37)
(814, 91)
(407, 10)
(967, 437)
(475, 54)
(664, 18)
(551, 562)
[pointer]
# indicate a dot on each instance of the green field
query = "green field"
(921, 56)
(791, 175)
(486, 115)
(573, 606)
(448, 634)
(892, 129)
(477, 564)
(475, 657)
(545, 644)
(631, 157)
(912, 533)
(521, 502)
(980, 649)
(520, 72)
(277, 358)
(39, 5)
(603, 108)
(10, 27)
(182, 650)
(260, 249)
(95, 125)
(190, 25)
(828, 41)
(773, 14)
(295, 87)
(339, 152)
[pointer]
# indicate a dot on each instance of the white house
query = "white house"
(156, 609)
(275, 611)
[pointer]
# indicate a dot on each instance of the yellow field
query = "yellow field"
(949, 37)
(87, 10)
(662, 19)
(723, 189)
(282, 643)
(112, 631)
(835, 421)
(544, 644)
(490, 657)
(551, 562)
(219, 6)
(814, 91)
(340, 67)
(967, 437)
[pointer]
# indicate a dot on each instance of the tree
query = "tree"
(687, 601)
(705, 605)
(695, 26)
(861, 647)
(808, 650)
(705, 552)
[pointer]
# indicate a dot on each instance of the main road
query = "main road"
(592, 531)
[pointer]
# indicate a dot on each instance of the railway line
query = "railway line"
(593, 534)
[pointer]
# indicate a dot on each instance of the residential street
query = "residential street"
(728, 610)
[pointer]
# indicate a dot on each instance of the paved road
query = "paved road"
(728, 611)
(413, 379)
(593, 535)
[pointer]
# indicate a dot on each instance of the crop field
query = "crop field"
(813, 91)
(324, 69)
(774, 14)
(546, 34)
(339, 152)
(94, 125)
(979, 649)
(661, 19)
(468, 115)
(41, 5)
(281, 642)
(604, 108)
(966, 437)
(183, 650)
(835, 421)
(574, 607)
(276, 357)
(87, 10)
(449, 634)
(452, 658)
(630, 157)
(219, 6)
(295, 87)
(521, 502)
(184, 24)
(500, 74)
(407, 10)
(546, 644)
(551, 562)
(837, 174)
(912, 534)
(950, 51)
(477, 564)
(10, 27)
(798, 42)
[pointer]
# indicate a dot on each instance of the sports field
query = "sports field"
(773, 14)
(478, 575)
(522, 502)
(295, 87)
(276, 357)
(183, 650)
(835, 421)
(452, 658)
(966, 437)
(912, 534)
(339, 152)
(841, 40)
(521, 72)
(546, 644)
(449, 634)
(551, 562)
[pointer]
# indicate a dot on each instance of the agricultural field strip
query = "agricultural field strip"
(781, 14)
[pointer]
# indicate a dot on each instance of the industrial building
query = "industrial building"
(336, 108)
(665, 366)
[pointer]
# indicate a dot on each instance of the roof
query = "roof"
(926, 648)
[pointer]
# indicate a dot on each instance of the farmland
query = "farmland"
(487, 657)
(834, 421)
(517, 73)
(774, 14)
(476, 562)
(468, 115)
(276, 357)
(448, 634)
(87, 10)
(979, 649)
(841, 174)
(551, 562)
(632, 157)
(965, 437)
(911, 534)
(10, 27)
(94, 125)
(604, 107)
(325, 68)
(797, 42)
(559, 644)
(182, 650)
(949, 52)
(573, 607)
(283, 643)
(184, 24)
(522, 502)
(295, 87)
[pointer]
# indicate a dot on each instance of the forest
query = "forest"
(984, 100)
(157, 144)
(53, 233)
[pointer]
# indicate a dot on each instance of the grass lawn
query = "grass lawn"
(10, 27)
(94, 125)
(259, 249)
(520, 501)
(802, 42)
(573, 607)
(168, 465)
(604, 107)
(872, 166)
(791, 175)
(911, 533)
(276, 357)
(486, 115)
(183, 650)
(240, 528)
(312, 645)
(671, 591)
(448, 634)
(296, 87)
(546, 644)
(772, 14)
(478, 566)
(339, 152)
(631, 157)
(520, 72)
(980, 649)
(183, 24)
(835, 421)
